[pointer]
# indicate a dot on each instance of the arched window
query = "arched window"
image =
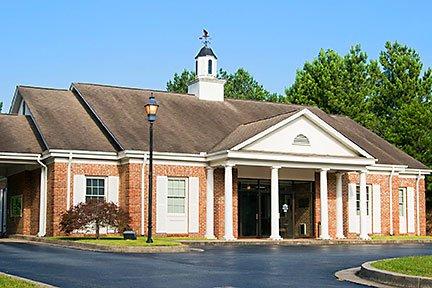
(301, 140)
(210, 67)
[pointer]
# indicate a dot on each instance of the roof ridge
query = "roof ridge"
(42, 88)
(268, 118)
(131, 88)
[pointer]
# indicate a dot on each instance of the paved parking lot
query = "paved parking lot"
(246, 266)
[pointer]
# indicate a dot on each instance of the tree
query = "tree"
(337, 84)
(95, 214)
(179, 83)
(1, 106)
(391, 95)
(240, 85)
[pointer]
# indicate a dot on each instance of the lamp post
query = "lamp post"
(151, 109)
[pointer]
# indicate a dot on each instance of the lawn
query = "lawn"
(400, 237)
(414, 265)
(6, 281)
(119, 241)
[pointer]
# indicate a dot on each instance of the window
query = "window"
(95, 188)
(176, 195)
(16, 206)
(210, 67)
(402, 199)
(301, 140)
(368, 195)
(196, 67)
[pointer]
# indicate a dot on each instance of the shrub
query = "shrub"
(429, 222)
(94, 213)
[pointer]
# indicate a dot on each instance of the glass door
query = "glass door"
(248, 213)
(2, 212)
(286, 210)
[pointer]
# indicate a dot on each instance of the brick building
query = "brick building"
(222, 168)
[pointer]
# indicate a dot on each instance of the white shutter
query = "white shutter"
(353, 220)
(376, 208)
(113, 189)
(193, 205)
(410, 209)
(161, 203)
(79, 189)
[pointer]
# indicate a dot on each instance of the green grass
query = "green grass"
(401, 237)
(119, 241)
(415, 265)
(6, 281)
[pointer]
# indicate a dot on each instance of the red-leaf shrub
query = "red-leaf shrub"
(94, 213)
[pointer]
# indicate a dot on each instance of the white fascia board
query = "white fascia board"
(15, 98)
(417, 171)
(387, 168)
(266, 159)
(18, 158)
(82, 154)
(315, 119)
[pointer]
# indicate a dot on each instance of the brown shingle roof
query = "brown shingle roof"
(63, 121)
(185, 124)
(189, 125)
(17, 135)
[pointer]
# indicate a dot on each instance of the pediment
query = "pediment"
(303, 135)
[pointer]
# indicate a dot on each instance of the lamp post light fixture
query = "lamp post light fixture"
(151, 109)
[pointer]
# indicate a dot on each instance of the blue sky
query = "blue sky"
(142, 43)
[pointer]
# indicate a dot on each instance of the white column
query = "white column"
(228, 203)
(210, 204)
(339, 207)
(324, 205)
(275, 203)
(363, 209)
(43, 202)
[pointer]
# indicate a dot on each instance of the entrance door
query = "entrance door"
(286, 210)
(2, 212)
(254, 208)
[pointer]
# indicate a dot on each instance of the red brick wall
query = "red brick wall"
(181, 171)
(26, 184)
(57, 188)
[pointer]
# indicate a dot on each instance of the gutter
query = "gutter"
(418, 202)
(142, 194)
(391, 200)
(42, 199)
(68, 181)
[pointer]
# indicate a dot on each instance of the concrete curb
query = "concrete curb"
(350, 275)
(100, 248)
(38, 284)
(391, 278)
(299, 242)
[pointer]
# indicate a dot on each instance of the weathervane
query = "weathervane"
(205, 38)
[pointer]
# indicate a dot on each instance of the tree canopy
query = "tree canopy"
(391, 95)
(239, 85)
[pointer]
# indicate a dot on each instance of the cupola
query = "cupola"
(206, 86)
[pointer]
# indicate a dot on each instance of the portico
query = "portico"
(279, 169)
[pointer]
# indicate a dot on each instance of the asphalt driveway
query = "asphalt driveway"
(266, 266)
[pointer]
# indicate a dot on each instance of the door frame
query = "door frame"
(258, 220)
(3, 213)
(258, 225)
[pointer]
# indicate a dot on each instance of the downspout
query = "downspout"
(68, 189)
(142, 194)
(391, 200)
(42, 199)
(418, 202)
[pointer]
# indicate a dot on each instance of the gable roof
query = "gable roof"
(63, 121)
(21, 135)
(110, 118)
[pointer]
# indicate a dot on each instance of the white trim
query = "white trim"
(318, 121)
